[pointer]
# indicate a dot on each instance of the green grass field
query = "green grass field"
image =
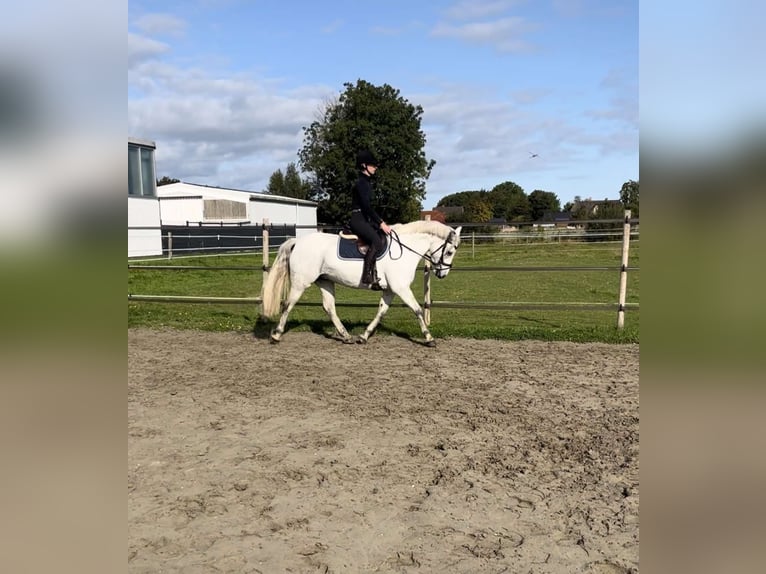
(462, 285)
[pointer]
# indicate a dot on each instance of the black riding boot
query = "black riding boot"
(369, 277)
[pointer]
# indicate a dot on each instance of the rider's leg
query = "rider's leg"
(368, 274)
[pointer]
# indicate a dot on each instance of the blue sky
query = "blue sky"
(225, 86)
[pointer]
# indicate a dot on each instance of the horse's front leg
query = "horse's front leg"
(385, 302)
(412, 303)
(328, 303)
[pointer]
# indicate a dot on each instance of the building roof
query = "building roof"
(196, 190)
(142, 142)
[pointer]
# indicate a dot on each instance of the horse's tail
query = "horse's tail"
(278, 282)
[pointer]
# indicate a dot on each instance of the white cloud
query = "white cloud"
(622, 100)
(333, 26)
(505, 34)
(472, 9)
(231, 130)
(530, 96)
(479, 142)
(141, 48)
(160, 24)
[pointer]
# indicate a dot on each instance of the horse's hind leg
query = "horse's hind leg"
(296, 291)
(385, 302)
(328, 303)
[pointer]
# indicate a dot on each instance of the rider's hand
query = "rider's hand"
(385, 227)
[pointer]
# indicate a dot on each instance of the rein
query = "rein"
(425, 256)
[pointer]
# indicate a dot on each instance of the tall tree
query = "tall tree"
(629, 196)
(509, 201)
(294, 185)
(542, 202)
(478, 209)
(288, 184)
(460, 199)
(276, 183)
(375, 118)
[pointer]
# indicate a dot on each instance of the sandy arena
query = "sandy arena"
(314, 456)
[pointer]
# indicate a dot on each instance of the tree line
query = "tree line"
(508, 202)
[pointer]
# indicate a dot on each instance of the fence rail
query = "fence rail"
(620, 306)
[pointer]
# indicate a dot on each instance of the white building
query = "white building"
(144, 224)
(151, 207)
(191, 204)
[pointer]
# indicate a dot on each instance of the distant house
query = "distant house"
(557, 218)
(434, 215)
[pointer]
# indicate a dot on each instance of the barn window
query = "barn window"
(223, 209)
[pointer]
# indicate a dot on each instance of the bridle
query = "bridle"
(440, 264)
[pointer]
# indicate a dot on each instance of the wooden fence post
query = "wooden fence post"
(265, 246)
(170, 245)
(624, 271)
(427, 287)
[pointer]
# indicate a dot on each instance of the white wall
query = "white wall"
(307, 215)
(283, 213)
(179, 211)
(144, 212)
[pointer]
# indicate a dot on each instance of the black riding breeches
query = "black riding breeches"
(360, 226)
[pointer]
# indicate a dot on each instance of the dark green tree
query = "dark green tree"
(165, 180)
(509, 202)
(375, 118)
(478, 209)
(288, 184)
(294, 185)
(577, 209)
(629, 196)
(604, 210)
(542, 202)
(276, 183)
(460, 199)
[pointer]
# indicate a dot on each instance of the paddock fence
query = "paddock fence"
(188, 241)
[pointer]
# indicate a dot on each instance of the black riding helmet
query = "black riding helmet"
(367, 158)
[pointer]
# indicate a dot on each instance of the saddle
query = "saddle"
(351, 246)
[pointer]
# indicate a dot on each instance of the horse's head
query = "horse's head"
(444, 253)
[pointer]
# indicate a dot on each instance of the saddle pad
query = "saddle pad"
(347, 249)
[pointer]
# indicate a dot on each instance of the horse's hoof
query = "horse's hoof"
(431, 343)
(274, 339)
(348, 341)
(361, 341)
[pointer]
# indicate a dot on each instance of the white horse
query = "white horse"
(314, 259)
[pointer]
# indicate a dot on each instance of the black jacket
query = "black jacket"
(361, 199)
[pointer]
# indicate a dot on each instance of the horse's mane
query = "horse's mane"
(437, 228)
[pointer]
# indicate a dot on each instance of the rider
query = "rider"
(364, 221)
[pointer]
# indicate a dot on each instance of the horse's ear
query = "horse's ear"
(457, 231)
